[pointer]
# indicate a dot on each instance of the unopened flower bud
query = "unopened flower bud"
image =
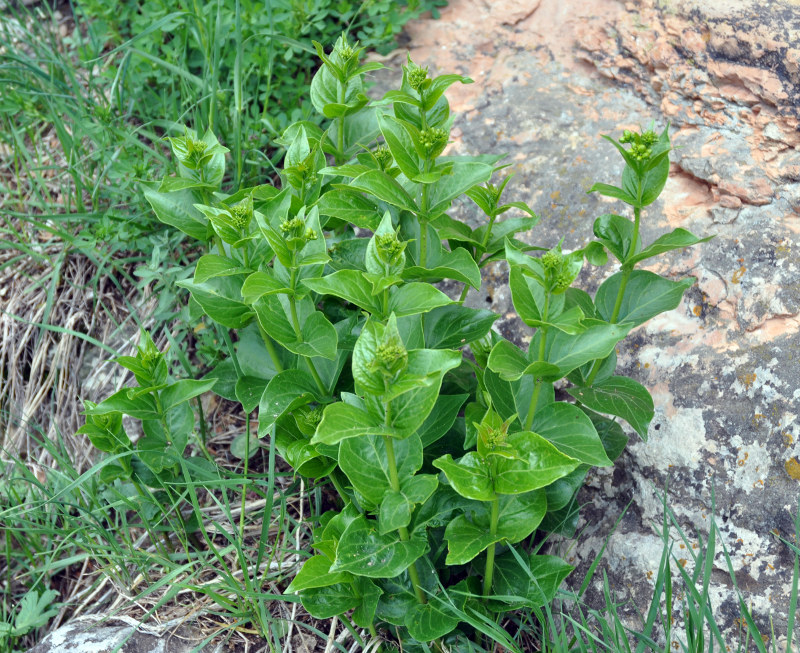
(383, 157)
(433, 141)
(391, 358)
(552, 260)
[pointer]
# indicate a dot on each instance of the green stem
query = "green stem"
(246, 468)
(385, 303)
(394, 481)
(340, 126)
(537, 384)
(299, 334)
(270, 347)
(623, 284)
(489, 572)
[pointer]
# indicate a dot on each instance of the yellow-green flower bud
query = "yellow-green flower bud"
(391, 358)
(242, 214)
(416, 76)
(433, 141)
(552, 260)
(384, 157)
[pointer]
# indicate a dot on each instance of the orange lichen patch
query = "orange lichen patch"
(737, 276)
(747, 379)
(792, 467)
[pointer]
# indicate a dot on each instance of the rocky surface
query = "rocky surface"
(89, 635)
(550, 76)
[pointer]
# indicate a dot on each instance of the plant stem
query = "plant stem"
(478, 253)
(270, 347)
(340, 126)
(299, 334)
(623, 284)
(394, 481)
(246, 467)
(489, 572)
(537, 384)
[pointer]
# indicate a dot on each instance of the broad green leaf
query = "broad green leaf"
(464, 176)
(413, 298)
(646, 295)
(397, 506)
(436, 511)
(249, 390)
(677, 239)
(365, 552)
(655, 178)
(212, 265)
(445, 264)
(351, 207)
(183, 390)
(400, 144)
(613, 191)
(533, 587)
(561, 492)
(380, 185)
(177, 210)
(330, 601)
(125, 401)
(571, 431)
(220, 299)
(261, 283)
(286, 391)
(34, 611)
(364, 461)
(610, 432)
(615, 232)
(453, 326)
(511, 363)
(519, 515)
(441, 418)
(370, 593)
(341, 421)
(469, 476)
(537, 464)
(466, 539)
(430, 621)
(410, 409)
(397, 600)
(566, 352)
(319, 337)
(350, 285)
(316, 573)
(622, 397)
(245, 446)
(438, 86)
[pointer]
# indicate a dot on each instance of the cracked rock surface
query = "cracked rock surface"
(723, 368)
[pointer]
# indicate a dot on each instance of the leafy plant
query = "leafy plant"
(356, 361)
(34, 611)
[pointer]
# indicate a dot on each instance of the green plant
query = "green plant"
(355, 360)
(34, 611)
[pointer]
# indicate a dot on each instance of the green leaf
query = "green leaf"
(220, 299)
(286, 391)
(537, 464)
(441, 418)
(183, 390)
(211, 265)
(413, 298)
(249, 390)
(177, 210)
(610, 432)
(469, 476)
(439, 85)
(566, 352)
(370, 593)
(646, 295)
(520, 514)
(453, 326)
(363, 551)
(341, 421)
(571, 431)
(622, 397)
(444, 264)
(465, 175)
(364, 461)
(613, 191)
(319, 337)
(261, 283)
(241, 448)
(330, 601)
(316, 573)
(655, 178)
(380, 185)
(33, 612)
(465, 540)
(615, 232)
(350, 206)
(350, 285)
(532, 587)
(511, 363)
(396, 507)
(400, 144)
(677, 239)
(430, 621)
(126, 401)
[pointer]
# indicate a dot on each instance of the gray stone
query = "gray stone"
(90, 635)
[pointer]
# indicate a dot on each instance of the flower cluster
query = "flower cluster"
(641, 144)
(433, 141)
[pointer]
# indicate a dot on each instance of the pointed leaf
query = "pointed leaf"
(571, 431)
(646, 295)
(622, 397)
(365, 552)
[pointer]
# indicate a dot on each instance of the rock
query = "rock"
(722, 367)
(90, 635)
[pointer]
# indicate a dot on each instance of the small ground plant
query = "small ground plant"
(445, 442)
